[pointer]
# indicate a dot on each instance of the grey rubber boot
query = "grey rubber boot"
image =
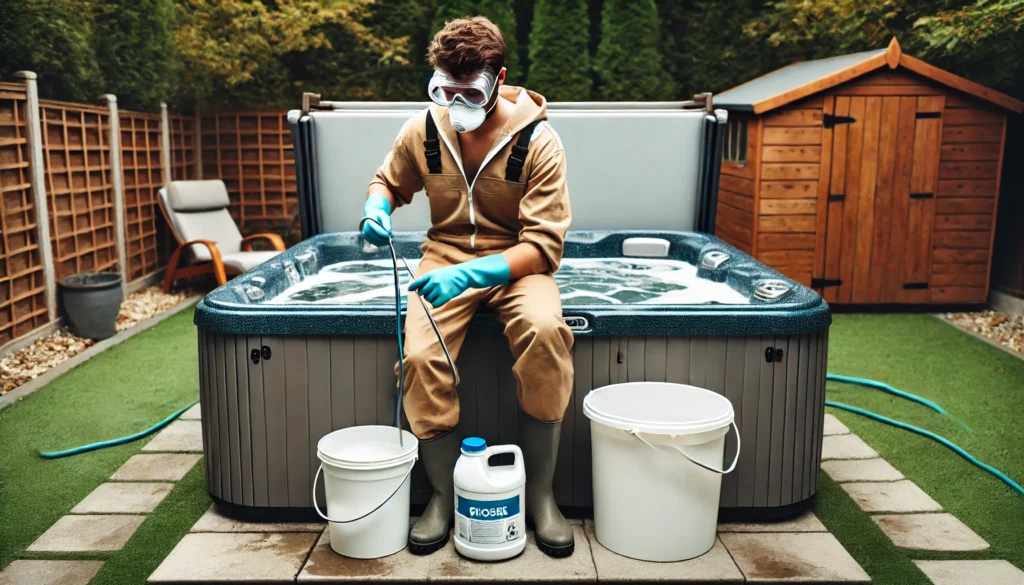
(539, 442)
(430, 532)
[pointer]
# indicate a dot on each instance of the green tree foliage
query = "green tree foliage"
(704, 47)
(802, 29)
(628, 63)
(978, 40)
(134, 51)
(264, 53)
(559, 56)
(237, 52)
(450, 10)
(982, 41)
(51, 38)
(501, 13)
(404, 19)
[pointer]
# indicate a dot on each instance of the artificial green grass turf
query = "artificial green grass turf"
(978, 384)
(119, 392)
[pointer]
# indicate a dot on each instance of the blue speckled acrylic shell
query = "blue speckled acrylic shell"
(229, 310)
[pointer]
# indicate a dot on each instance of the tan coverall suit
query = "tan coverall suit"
(473, 218)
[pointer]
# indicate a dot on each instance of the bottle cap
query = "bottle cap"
(474, 445)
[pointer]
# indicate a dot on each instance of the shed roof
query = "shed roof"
(799, 80)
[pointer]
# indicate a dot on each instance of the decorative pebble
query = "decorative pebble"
(1007, 330)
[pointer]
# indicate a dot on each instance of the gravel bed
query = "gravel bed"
(47, 352)
(1006, 330)
(145, 304)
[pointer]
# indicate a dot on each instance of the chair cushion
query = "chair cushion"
(191, 196)
(171, 216)
(243, 261)
(216, 225)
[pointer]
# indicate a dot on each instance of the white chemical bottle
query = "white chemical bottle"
(490, 501)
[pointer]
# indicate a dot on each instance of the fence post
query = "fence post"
(165, 143)
(197, 143)
(38, 174)
(115, 169)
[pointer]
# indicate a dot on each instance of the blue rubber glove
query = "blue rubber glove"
(444, 284)
(378, 208)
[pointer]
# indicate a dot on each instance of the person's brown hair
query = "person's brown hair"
(466, 46)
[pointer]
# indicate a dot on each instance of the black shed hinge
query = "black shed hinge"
(928, 115)
(922, 195)
(837, 197)
(823, 282)
(830, 121)
(915, 285)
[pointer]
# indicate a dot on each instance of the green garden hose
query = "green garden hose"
(115, 442)
(895, 392)
(940, 440)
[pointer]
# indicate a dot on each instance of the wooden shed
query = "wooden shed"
(873, 177)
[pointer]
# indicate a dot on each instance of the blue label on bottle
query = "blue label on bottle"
(487, 509)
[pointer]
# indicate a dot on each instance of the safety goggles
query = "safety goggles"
(473, 91)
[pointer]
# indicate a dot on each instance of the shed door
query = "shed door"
(880, 201)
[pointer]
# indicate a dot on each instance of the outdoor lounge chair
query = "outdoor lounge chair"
(197, 212)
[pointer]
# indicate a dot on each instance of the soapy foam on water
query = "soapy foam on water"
(581, 281)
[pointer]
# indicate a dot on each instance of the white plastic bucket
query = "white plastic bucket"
(657, 456)
(366, 483)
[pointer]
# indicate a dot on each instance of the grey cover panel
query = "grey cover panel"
(782, 80)
(636, 168)
(313, 385)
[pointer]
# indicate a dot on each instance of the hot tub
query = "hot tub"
(305, 344)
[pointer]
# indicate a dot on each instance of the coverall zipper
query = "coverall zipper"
(456, 154)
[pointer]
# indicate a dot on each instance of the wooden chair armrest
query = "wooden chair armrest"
(275, 240)
(210, 245)
(215, 259)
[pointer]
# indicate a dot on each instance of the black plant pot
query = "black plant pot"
(91, 303)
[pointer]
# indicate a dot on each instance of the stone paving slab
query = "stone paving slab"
(235, 558)
(929, 532)
(193, 413)
(88, 534)
(815, 557)
(833, 426)
(156, 467)
(972, 572)
(846, 447)
(806, 522)
(212, 521)
(123, 498)
(714, 566)
(446, 565)
(844, 471)
(181, 436)
(898, 496)
(50, 572)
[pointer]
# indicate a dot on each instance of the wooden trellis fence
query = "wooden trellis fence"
(143, 172)
(79, 190)
(183, 147)
(23, 304)
(252, 153)
(79, 187)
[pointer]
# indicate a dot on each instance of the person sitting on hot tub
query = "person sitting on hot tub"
(494, 173)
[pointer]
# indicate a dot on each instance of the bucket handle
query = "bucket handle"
(316, 479)
(736, 429)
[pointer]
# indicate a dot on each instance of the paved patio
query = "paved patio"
(222, 550)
